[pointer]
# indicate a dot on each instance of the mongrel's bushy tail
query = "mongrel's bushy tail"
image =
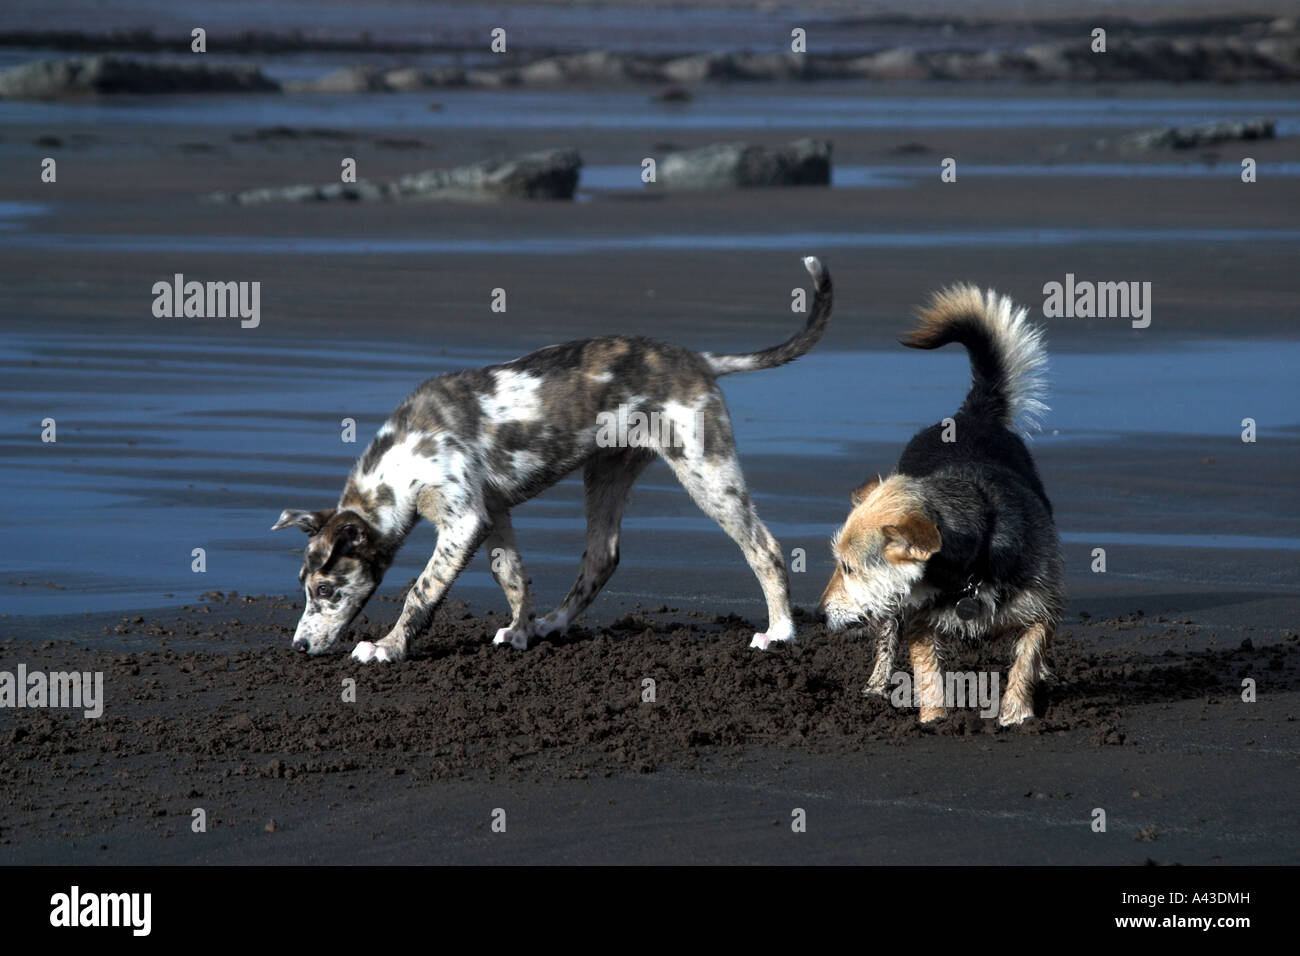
(1007, 358)
(792, 348)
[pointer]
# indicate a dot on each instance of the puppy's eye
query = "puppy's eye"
(325, 590)
(844, 566)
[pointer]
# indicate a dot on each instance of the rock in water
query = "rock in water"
(351, 79)
(804, 162)
(104, 75)
(550, 174)
(1193, 137)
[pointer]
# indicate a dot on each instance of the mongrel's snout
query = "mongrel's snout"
(834, 625)
(824, 616)
(302, 645)
(833, 588)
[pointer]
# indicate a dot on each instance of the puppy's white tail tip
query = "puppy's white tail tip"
(814, 267)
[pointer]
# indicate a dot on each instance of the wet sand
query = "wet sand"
(208, 707)
(1144, 720)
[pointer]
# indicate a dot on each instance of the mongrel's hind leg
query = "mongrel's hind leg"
(458, 538)
(508, 570)
(607, 480)
(1027, 667)
(717, 485)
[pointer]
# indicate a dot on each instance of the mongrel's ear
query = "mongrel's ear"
(860, 493)
(914, 538)
(309, 521)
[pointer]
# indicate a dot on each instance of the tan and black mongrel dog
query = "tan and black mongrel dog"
(465, 448)
(959, 544)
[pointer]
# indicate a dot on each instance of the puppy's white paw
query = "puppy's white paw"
(778, 634)
(366, 652)
(550, 624)
(517, 639)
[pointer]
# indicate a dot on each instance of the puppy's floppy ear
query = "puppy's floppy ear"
(309, 521)
(860, 493)
(914, 538)
(350, 533)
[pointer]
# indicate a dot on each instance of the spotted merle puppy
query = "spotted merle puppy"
(959, 544)
(465, 448)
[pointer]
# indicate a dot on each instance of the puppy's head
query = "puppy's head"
(880, 553)
(342, 566)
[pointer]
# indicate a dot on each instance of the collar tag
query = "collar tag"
(968, 605)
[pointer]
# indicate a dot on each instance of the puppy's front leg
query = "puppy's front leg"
(886, 649)
(508, 570)
(457, 541)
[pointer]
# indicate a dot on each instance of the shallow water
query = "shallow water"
(568, 245)
(736, 108)
(884, 176)
(163, 447)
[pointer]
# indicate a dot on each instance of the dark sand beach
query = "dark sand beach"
(175, 434)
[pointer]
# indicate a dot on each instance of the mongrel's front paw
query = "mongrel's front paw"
(1013, 712)
(365, 652)
(929, 714)
(878, 682)
(517, 638)
(875, 688)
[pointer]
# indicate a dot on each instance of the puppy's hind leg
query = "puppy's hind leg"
(607, 479)
(716, 483)
(458, 538)
(1027, 667)
(508, 570)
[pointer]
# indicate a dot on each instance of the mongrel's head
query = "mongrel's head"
(880, 554)
(342, 566)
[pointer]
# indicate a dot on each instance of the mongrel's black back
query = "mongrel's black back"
(995, 516)
(979, 442)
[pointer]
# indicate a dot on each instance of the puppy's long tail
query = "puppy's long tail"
(792, 348)
(1007, 358)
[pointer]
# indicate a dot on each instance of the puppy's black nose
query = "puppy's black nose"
(820, 615)
(301, 645)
